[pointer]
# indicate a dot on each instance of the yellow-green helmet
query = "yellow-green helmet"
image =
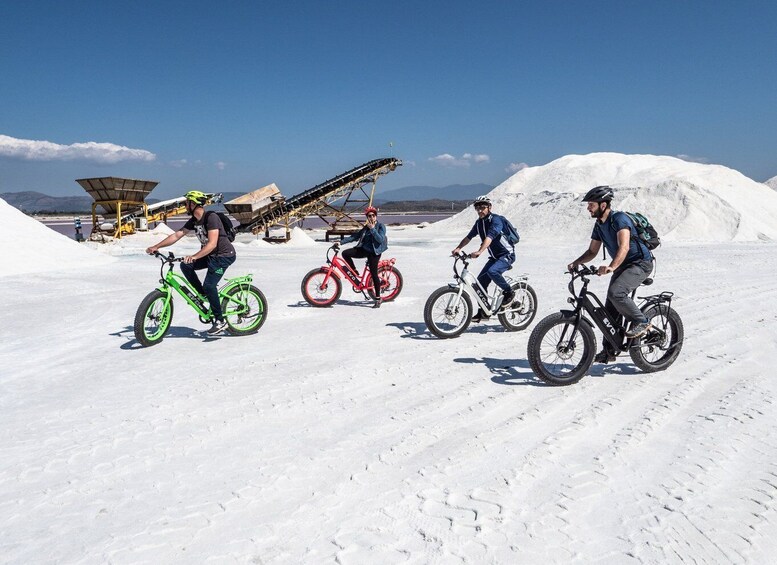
(196, 196)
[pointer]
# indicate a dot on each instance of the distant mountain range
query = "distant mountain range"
(32, 202)
(438, 197)
(450, 192)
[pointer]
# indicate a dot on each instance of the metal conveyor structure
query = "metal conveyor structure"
(318, 200)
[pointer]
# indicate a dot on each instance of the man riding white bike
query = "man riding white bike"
(490, 228)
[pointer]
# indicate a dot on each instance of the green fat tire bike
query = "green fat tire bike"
(244, 306)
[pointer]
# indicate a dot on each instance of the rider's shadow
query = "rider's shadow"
(173, 332)
(412, 330)
(505, 371)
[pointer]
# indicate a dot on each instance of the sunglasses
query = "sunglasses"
(481, 207)
(372, 215)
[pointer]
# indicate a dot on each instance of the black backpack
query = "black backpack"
(645, 230)
(229, 229)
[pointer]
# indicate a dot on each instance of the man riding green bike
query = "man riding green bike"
(216, 254)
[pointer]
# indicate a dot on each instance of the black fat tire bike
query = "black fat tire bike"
(562, 346)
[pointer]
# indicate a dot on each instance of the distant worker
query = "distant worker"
(372, 242)
(630, 265)
(216, 254)
(501, 253)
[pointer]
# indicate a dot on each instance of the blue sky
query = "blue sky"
(230, 96)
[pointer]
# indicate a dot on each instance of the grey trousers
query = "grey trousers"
(624, 281)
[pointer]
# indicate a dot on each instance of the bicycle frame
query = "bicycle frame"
(612, 330)
(465, 279)
(177, 282)
(336, 264)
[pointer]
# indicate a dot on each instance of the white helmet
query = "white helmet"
(482, 199)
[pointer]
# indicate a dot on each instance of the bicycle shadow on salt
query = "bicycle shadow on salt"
(418, 330)
(412, 330)
(506, 371)
(174, 332)
(340, 302)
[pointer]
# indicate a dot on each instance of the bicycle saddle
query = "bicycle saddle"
(647, 282)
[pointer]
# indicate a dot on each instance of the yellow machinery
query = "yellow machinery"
(126, 211)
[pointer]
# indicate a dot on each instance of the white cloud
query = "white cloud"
(466, 160)
(179, 163)
(692, 159)
(221, 165)
(32, 150)
(515, 167)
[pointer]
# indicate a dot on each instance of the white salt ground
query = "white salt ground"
(350, 435)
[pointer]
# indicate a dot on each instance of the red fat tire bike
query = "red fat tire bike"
(322, 287)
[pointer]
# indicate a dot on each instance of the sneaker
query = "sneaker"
(604, 356)
(217, 327)
(479, 317)
(509, 296)
(377, 302)
(638, 330)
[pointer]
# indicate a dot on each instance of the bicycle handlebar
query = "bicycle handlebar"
(584, 270)
(169, 258)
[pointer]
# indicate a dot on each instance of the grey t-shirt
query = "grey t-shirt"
(224, 247)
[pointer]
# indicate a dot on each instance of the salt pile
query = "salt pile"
(31, 247)
(685, 201)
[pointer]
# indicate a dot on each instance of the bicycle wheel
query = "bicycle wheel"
(446, 315)
(522, 310)
(390, 284)
(554, 357)
(244, 308)
(152, 320)
(318, 294)
(661, 345)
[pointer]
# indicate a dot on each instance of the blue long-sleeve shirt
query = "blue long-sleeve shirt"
(372, 240)
(492, 226)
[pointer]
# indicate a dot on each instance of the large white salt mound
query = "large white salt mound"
(685, 201)
(31, 247)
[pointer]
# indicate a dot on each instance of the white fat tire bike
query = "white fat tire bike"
(449, 309)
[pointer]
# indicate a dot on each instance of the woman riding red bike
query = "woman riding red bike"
(371, 243)
(322, 287)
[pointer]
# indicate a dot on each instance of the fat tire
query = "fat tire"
(397, 289)
(429, 313)
(534, 350)
(259, 317)
(309, 298)
(504, 317)
(166, 316)
(676, 337)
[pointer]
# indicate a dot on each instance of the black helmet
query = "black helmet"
(599, 194)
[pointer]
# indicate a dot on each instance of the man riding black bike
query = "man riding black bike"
(490, 228)
(216, 253)
(630, 265)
